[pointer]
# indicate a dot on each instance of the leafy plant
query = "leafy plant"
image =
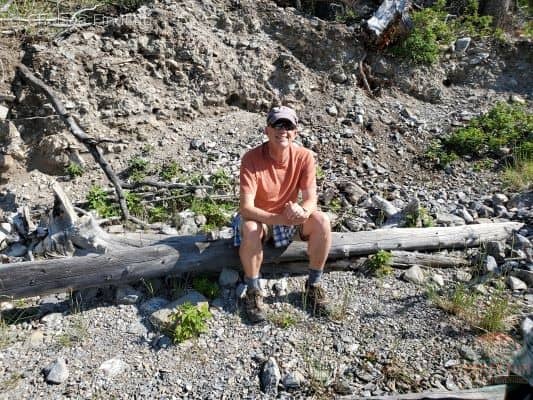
(221, 180)
(98, 200)
(380, 264)
(208, 288)
(157, 214)
(494, 315)
(138, 167)
(283, 319)
(320, 174)
(217, 214)
(419, 218)
(169, 171)
(135, 206)
(188, 321)
(74, 170)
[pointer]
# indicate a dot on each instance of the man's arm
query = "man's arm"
(249, 211)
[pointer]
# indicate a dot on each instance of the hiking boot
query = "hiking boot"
(316, 300)
(253, 305)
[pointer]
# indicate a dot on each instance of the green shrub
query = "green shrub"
(217, 214)
(133, 201)
(380, 263)
(493, 317)
(221, 180)
(158, 214)
(419, 218)
(519, 176)
(437, 155)
(208, 288)
(74, 170)
(283, 319)
(99, 200)
(169, 171)
(138, 168)
(188, 321)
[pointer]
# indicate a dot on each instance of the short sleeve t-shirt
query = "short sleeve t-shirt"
(274, 184)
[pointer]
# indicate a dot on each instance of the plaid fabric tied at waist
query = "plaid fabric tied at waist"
(281, 234)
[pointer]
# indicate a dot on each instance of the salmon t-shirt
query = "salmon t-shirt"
(274, 184)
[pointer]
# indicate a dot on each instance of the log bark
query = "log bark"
(177, 255)
(485, 393)
(389, 22)
(405, 259)
(497, 9)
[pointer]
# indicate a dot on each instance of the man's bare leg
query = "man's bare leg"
(318, 229)
(251, 249)
(251, 254)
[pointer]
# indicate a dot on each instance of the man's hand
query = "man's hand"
(294, 213)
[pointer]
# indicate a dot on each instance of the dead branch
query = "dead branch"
(76, 130)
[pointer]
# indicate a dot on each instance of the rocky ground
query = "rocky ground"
(191, 82)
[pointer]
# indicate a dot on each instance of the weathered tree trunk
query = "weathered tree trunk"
(405, 259)
(484, 393)
(498, 9)
(177, 255)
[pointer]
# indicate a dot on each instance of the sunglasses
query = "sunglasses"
(288, 126)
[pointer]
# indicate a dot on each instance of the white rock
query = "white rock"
(228, 277)
(113, 367)
(57, 371)
(463, 276)
(414, 274)
(3, 113)
(270, 377)
(161, 317)
(516, 284)
(438, 279)
(332, 110)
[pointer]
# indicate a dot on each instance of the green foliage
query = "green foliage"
(283, 319)
(138, 168)
(433, 29)
(188, 321)
(519, 176)
(349, 16)
(205, 286)
(169, 171)
(463, 302)
(221, 180)
(505, 125)
(74, 170)
(217, 214)
(494, 315)
(335, 205)
(135, 206)
(419, 218)
(320, 174)
(158, 214)
(436, 154)
(380, 263)
(99, 201)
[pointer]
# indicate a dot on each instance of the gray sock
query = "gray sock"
(315, 276)
(252, 282)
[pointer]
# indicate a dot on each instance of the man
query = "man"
(272, 176)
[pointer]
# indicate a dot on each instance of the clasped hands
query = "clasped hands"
(295, 213)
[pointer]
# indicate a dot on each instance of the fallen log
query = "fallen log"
(405, 259)
(390, 21)
(485, 393)
(173, 255)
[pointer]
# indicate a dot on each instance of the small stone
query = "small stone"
(228, 277)
(36, 338)
(161, 318)
(154, 304)
(517, 99)
(332, 110)
(3, 112)
(116, 228)
(447, 219)
(57, 371)
(451, 363)
(438, 279)
(280, 286)
(293, 380)
(414, 275)
(463, 276)
(516, 284)
(270, 377)
(113, 367)
(52, 320)
(496, 249)
(499, 198)
(127, 295)
(451, 385)
(468, 353)
(490, 265)
(462, 44)
(342, 387)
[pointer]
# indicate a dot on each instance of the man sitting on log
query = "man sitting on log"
(272, 176)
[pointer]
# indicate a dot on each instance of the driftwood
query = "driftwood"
(75, 129)
(486, 393)
(125, 260)
(389, 22)
(405, 259)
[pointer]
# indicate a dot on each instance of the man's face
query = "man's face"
(281, 133)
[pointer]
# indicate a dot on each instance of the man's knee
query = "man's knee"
(252, 231)
(319, 223)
